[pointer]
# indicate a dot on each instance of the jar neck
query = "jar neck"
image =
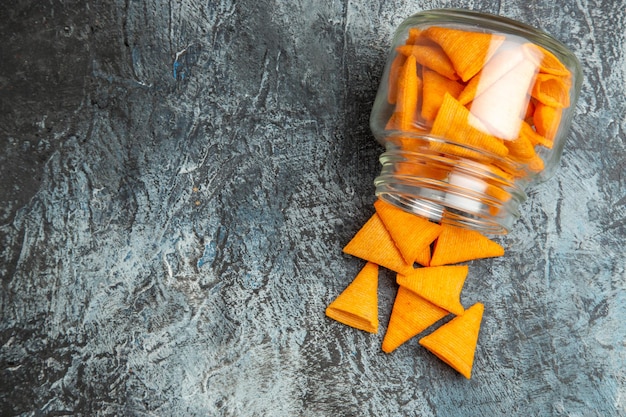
(450, 183)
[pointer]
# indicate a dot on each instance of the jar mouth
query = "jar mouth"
(449, 182)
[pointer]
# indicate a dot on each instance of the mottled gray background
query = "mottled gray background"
(177, 180)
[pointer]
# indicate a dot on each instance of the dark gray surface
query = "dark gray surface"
(177, 181)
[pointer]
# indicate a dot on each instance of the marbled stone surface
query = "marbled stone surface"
(177, 181)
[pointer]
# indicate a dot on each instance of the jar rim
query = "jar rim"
(476, 184)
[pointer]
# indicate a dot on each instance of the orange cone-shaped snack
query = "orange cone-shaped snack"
(535, 138)
(535, 164)
(423, 257)
(434, 89)
(357, 305)
(551, 90)
(410, 233)
(394, 72)
(550, 64)
(441, 285)
(498, 193)
(455, 342)
(430, 56)
(520, 149)
(468, 51)
(373, 243)
(470, 90)
(392, 124)
(530, 110)
(455, 122)
(456, 244)
(408, 94)
(415, 36)
(547, 120)
(410, 316)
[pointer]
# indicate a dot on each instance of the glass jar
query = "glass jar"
(472, 109)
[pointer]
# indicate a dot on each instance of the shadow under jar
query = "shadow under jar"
(472, 109)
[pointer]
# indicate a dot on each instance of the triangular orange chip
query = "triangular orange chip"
(357, 305)
(547, 120)
(521, 149)
(410, 233)
(414, 37)
(394, 72)
(411, 315)
(373, 243)
(455, 342)
(423, 257)
(441, 285)
(408, 87)
(430, 56)
(392, 124)
(550, 64)
(455, 122)
(456, 244)
(535, 164)
(533, 137)
(551, 90)
(498, 192)
(468, 51)
(435, 87)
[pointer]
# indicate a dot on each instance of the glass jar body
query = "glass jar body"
(472, 109)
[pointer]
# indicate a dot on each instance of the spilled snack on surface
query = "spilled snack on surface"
(455, 341)
(441, 285)
(411, 234)
(455, 245)
(426, 294)
(410, 316)
(373, 243)
(469, 114)
(357, 305)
